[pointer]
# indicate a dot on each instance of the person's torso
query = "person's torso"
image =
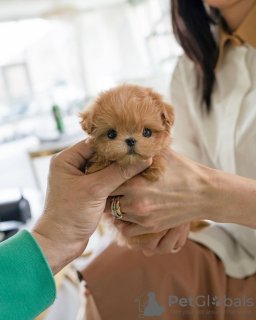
(227, 135)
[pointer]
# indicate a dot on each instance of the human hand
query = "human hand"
(185, 193)
(167, 241)
(74, 203)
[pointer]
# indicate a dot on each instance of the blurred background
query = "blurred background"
(55, 56)
(62, 53)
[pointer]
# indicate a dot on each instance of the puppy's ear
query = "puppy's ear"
(167, 114)
(87, 119)
(166, 110)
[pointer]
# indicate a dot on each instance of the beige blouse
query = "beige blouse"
(225, 140)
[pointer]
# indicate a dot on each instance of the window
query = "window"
(67, 59)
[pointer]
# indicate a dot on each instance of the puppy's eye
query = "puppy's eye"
(112, 134)
(147, 133)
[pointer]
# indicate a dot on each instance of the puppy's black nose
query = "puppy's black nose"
(131, 142)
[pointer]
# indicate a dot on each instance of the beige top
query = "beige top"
(225, 139)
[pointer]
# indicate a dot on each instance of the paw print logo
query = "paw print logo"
(216, 301)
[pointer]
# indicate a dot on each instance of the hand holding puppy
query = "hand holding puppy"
(74, 203)
(186, 192)
(128, 124)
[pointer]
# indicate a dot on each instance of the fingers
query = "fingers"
(138, 181)
(83, 148)
(169, 241)
(172, 241)
(183, 237)
(108, 205)
(148, 253)
(113, 176)
(76, 155)
(127, 216)
(131, 230)
(152, 243)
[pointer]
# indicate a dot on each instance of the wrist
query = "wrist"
(210, 191)
(235, 200)
(57, 247)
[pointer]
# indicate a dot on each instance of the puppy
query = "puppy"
(129, 124)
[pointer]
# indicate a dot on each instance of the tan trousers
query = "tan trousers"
(188, 285)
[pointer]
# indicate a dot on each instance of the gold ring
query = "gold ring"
(175, 250)
(115, 208)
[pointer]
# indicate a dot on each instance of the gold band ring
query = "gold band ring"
(115, 207)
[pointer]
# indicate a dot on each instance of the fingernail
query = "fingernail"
(176, 250)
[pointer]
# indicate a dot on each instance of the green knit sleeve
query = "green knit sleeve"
(27, 286)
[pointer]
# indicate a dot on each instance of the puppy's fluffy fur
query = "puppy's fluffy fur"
(128, 124)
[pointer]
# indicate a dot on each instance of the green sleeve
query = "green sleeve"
(27, 286)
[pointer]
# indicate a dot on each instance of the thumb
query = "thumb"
(113, 176)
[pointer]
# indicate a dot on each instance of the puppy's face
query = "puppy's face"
(128, 123)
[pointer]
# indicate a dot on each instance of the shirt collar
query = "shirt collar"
(246, 32)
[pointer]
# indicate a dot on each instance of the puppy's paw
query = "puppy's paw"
(94, 167)
(152, 174)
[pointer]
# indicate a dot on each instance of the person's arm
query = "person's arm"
(236, 199)
(74, 204)
(27, 286)
(189, 191)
